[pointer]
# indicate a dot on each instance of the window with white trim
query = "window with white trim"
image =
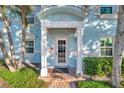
(106, 10)
(106, 45)
(29, 46)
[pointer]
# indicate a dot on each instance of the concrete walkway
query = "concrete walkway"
(60, 80)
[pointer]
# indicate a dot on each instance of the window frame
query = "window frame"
(112, 37)
(106, 16)
(106, 7)
(30, 54)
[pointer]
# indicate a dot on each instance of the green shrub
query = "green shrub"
(122, 67)
(93, 84)
(122, 84)
(101, 66)
(1, 61)
(25, 78)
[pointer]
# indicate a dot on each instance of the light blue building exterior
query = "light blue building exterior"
(60, 36)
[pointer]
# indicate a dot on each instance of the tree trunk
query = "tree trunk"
(23, 35)
(7, 25)
(116, 72)
(5, 54)
(118, 48)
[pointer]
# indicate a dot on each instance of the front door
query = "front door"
(61, 52)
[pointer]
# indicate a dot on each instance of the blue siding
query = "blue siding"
(94, 29)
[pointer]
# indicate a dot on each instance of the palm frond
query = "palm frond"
(14, 11)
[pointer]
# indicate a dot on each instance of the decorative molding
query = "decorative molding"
(63, 9)
(30, 36)
(61, 24)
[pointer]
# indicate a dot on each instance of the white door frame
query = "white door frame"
(56, 52)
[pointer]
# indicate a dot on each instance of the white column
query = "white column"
(44, 70)
(79, 71)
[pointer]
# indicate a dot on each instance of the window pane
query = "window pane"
(103, 51)
(102, 43)
(109, 42)
(105, 10)
(106, 51)
(106, 42)
(29, 50)
(109, 51)
(29, 46)
(29, 43)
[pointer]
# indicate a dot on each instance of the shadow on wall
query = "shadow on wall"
(95, 29)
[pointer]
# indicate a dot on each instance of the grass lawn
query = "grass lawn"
(93, 84)
(25, 78)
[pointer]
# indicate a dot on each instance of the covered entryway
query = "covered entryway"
(60, 42)
(58, 52)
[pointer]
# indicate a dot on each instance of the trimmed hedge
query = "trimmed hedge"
(101, 66)
(93, 84)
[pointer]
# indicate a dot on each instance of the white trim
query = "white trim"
(30, 36)
(79, 70)
(61, 24)
(44, 70)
